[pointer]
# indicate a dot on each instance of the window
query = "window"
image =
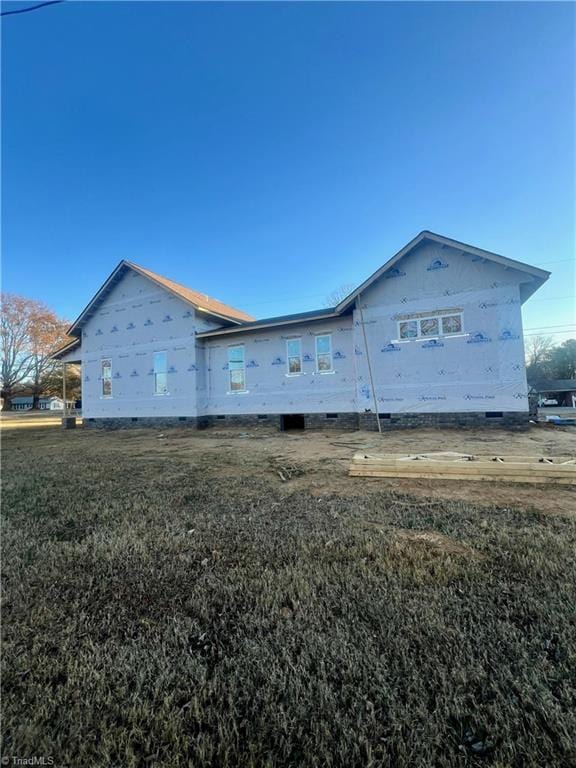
(426, 327)
(430, 327)
(106, 368)
(324, 353)
(409, 329)
(294, 355)
(452, 324)
(160, 373)
(236, 368)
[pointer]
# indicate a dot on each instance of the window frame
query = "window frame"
(423, 318)
(231, 390)
(291, 357)
(104, 378)
(156, 373)
(317, 354)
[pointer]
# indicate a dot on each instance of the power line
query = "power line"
(544, 327)
(31, 8)
(315, 295)
(549, 333)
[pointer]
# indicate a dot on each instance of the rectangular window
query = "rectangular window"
(452, 324)
(409, 329)
(426, 327)
(324, 353)
(106, 375)
(430, 327)
(160, 373)
(236, 368)
(294, 355)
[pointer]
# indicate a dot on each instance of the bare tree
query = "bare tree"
(29, 333)
(338, 294)
(538, 350)
(48, 333)
(15, 326)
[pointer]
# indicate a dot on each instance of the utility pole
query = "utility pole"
(359, 300)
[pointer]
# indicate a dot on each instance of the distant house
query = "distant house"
(563, 391)
(434, 336)
(24, 403)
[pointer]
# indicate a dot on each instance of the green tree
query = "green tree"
(563, 360)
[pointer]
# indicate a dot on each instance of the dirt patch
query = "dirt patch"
(320, 459)
(436, 541)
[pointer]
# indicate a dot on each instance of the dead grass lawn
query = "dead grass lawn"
(172, 601)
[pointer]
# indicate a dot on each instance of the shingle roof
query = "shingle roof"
(318, 314)
(200, 300)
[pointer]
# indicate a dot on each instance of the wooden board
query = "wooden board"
(447, 465)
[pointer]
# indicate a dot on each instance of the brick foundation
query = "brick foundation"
(339, 421)
(508, 420)
(154, 422)
(274, 420)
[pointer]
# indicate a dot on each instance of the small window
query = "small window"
(106, 368)
(324, 353)
(294, 355)
(160, 373)
(409, 329)
(236, 368)
(430, 327)
(452, 324)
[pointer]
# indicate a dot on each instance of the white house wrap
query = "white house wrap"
(440, 324)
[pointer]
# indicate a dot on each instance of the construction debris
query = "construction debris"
(285, 468)
(448, 465)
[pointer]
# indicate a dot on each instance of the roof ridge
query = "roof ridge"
(202, 300)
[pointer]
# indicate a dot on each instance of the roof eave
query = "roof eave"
(76, 326)
(540, 274)
(262, 326)
(194, 304)
(67, 348)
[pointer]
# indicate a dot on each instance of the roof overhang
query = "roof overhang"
(118, 273)
(69, 353)
(306, 317)
(535, 277)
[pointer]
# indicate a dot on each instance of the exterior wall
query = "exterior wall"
(480, 370)
(269, 387)
(136, 320)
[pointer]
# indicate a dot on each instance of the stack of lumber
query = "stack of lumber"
(463, 466)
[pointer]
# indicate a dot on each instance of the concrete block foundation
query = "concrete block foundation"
(311, 421)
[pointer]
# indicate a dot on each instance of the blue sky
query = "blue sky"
(266, 153)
